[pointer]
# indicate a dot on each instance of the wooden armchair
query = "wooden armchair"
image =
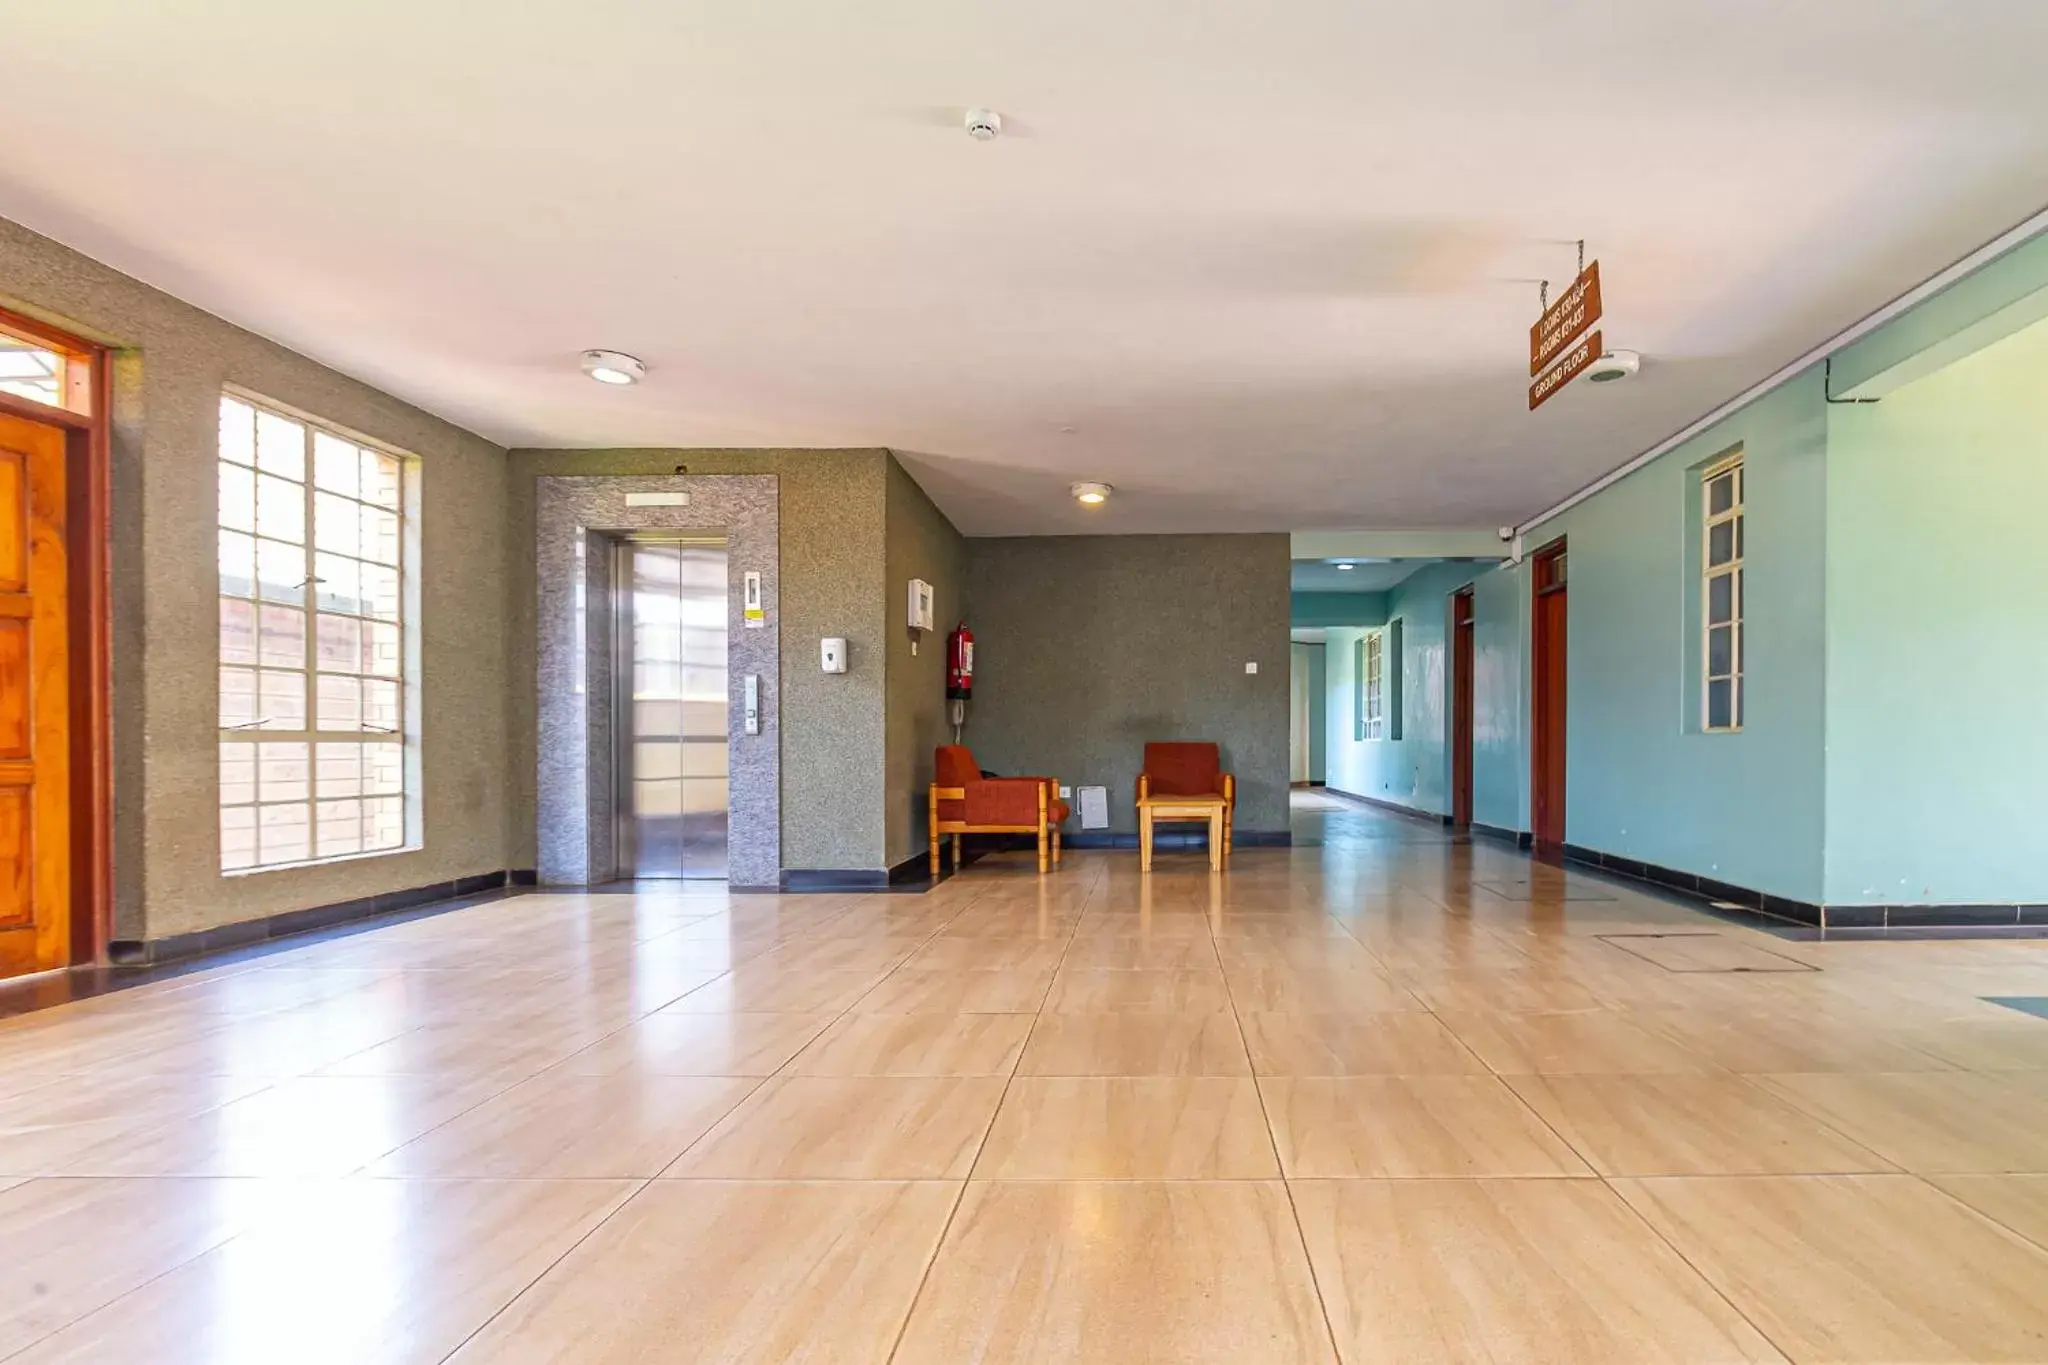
(965, 802)
(1188, 768)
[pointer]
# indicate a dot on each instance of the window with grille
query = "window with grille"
(314, 676)
(1372, 722)
(1721, 596)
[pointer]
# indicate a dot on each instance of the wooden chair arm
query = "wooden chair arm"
(948, 793)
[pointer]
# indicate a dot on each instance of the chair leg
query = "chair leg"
(1041, 848)
(957, 841)
(1144, 840)
(1055, 845)
(936, 836)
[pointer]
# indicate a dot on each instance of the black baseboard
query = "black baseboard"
(1520, 838)
(912, 874)
(1828, 918)
(293, 923)
(522, 876)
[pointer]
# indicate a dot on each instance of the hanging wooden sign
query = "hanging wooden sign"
(1565, 321)
(1565, 371)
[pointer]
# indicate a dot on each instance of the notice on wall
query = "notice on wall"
(1565, 321)
(1565, 371)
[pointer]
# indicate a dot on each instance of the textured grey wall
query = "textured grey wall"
(832, 510)
(921, 544)
(1088, 646)
(174, 360)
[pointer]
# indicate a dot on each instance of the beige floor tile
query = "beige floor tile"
(1286, 990)
(59, 1262)
(1588, 1042)
(916, 1045)
(359, 1272)
(2019, 1202)
(1857, 1268)
(1141, 952)
(987, 955)
(1934, 1121)
(1135, 1045)
(1523, 990)
(46, 1129)
(1358, 1044)
(793, 990)
(699, 1045)
(954, 992)
(1138, 992)
(1367, 1126)
(1688, 1125)
(1188, 1273)
(562, 1127)
(741, 1273)
(314, 1126)
(1537, 1272)
(838, 1128)
(1129, 1128)
(1788, 1041)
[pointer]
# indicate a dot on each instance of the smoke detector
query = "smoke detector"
(984, 125)
(1614, 365)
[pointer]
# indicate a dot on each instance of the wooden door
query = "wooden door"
(1547, 668)
(1461, 708)
(35, 791)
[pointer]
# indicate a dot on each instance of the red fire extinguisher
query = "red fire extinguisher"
(960, 664)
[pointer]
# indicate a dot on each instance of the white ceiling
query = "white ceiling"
(1269, 262)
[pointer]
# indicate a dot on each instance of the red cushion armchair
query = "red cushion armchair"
(1189, 768)
(965, 802)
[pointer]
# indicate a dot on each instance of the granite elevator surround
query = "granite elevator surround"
(577, 520)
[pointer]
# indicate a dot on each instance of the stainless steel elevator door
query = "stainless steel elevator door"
(672, 711)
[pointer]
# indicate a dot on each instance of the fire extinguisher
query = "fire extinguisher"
(960, 664)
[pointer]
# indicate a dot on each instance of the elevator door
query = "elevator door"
(673, 708)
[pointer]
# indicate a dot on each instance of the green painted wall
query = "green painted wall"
(1937, 636)
(1088, 646)
(1500, 698)
(1412, 770)
(1642, 779)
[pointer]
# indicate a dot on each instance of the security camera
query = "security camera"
(1612, 366)
(1504, 532)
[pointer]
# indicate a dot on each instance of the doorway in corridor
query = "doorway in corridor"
(1547, 724)
(1461, 708)
(54, 792)
(673, 779)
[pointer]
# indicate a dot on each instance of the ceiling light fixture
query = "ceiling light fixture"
(1346, 567)
(613, 367)
(1091, 494)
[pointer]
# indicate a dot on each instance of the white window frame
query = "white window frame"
(1372, 686)
(392, 662)
(1732, 570)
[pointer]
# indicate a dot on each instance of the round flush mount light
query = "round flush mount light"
(613, 367)
(1091, 494)
(1346, 566)
(984, 125)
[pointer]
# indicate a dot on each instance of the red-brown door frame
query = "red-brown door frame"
(87, 425)
(1549, 652)
(1461, 708)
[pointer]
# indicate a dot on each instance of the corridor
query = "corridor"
(1383, 1097)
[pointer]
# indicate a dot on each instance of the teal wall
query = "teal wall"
(1642, 779)
(1413, 770)
(1500, 698)
(1316, 609)
(1318, 713)
(1937, 636)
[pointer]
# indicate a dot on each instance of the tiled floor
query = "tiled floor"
(1385, 1097)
